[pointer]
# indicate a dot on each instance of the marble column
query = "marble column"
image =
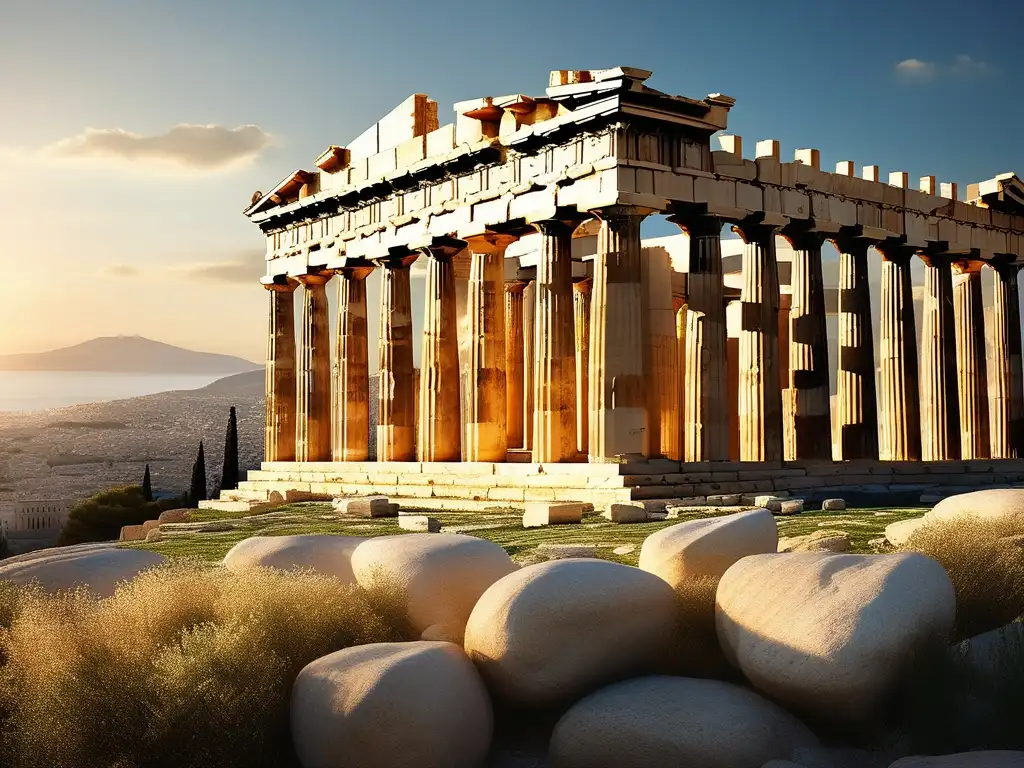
(940, 410)
(679, 307)
(279, 437)
(396, 388)
(529, 361)
(514, 362)
(554, 353)
(899, 403)
(856, 398)
(760, 396)
(1006, 372)
(807, 408)
(485, 436)
(581, 290)
(705, 413)
(972, 378)
(618, 392)
(350, 379)
(313, 398)
(438, 437)
(661, 357)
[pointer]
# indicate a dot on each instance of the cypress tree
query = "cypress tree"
(147, 486)
(229, 475)
(197, 492)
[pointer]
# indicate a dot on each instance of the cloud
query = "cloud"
(122, 270)
(247, 268)
(915, 69)
(962, 66)
(200, 148)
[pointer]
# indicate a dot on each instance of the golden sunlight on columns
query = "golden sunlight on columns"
(581, 312)
(485, 436)
(661, 354)
(313, 417)
(514, 362)
(554, 379)
(972, 379)
(396, 390)
(856, 399)
(940, 410)
(679, 306)
(438, 437)
(899, 399)
(1006, 372)
(760, 396)
(279, 442)
(529, 363)
(618, 392)
(351, 373)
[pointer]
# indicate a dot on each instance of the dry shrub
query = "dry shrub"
(188, 666)
(985, 562)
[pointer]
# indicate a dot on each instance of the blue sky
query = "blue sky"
(143, 247)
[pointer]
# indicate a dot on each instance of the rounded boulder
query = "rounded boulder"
(439, 575)
(993, 504)
(706, 548)
(651, 722)
(837, 631)
(98, 568)
(329, 555)
(995, 759)
(552, 632)
(391, 705)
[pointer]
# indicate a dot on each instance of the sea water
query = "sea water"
(37, 390)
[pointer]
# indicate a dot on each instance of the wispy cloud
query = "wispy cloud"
(962, 66)
(246, 270)
(122, 270)
(965, 66)
(915, 69)
(196, 148)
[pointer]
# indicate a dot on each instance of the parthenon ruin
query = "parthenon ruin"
(560, 358)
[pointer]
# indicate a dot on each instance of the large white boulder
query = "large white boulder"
(837, 630)
(652, 722)
(329, 555)
(998, 759)
(899, 533)
(98, 568)
(707, 547)
(554, 631)
(439, 575)
(391, 705)
(993, 504)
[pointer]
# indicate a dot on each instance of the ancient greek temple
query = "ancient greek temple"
(553, 370)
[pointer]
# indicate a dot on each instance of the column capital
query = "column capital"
(1005, 266)
(490, 242)
(802, 236)
(968, 266)
(442, 248)
(583, 285)
(360, 272)
(553, 227)
(755, 232)
(397, 260)
(516, 286)
(697, 223)
(938, 259)
(852, 240)
(610, 213)
(281, 284)
(315, 278)
(896, 251)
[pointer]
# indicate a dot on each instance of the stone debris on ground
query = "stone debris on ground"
(725, 500)
(819, 541)
(833, 505)
(627, 512)
(366, 506)
(786, 506)
(419, 523)
(541, 513)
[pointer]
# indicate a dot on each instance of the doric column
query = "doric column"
(529, 361)
(313, 418)
(514, 361)
(940, 417)
(279, 438)
(661, 357)
(581, 313)
(396, 390)
(618, 392)
(899, 403)
(1007, 376)
(351, 369)
(438, 437)
(485, 433)
(972, 379)
(760, 396)
(705, 415)
(554, 379)
(807, 411)
(856, 399)
(679, 307)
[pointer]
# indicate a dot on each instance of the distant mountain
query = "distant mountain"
(126, 354)
(248, 383)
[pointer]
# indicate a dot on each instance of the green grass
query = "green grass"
(504, 528)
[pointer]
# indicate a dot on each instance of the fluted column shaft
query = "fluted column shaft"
(485, 432)
(350, 380)
(972, 378)
(529, 360)
(581, 291)
(899, 398)
(554, 380)
(514, 362)
(313, 417)
(438, 437)
(760, 396)
(1007, 374)
(396, 390)
(940, 417)
(679, 308)
(279, 437)
(618, 392)
(856, 399)
(705, 415)
(807, 412)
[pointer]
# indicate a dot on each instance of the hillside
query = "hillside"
(126, 354)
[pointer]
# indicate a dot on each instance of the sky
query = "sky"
(132, 134)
